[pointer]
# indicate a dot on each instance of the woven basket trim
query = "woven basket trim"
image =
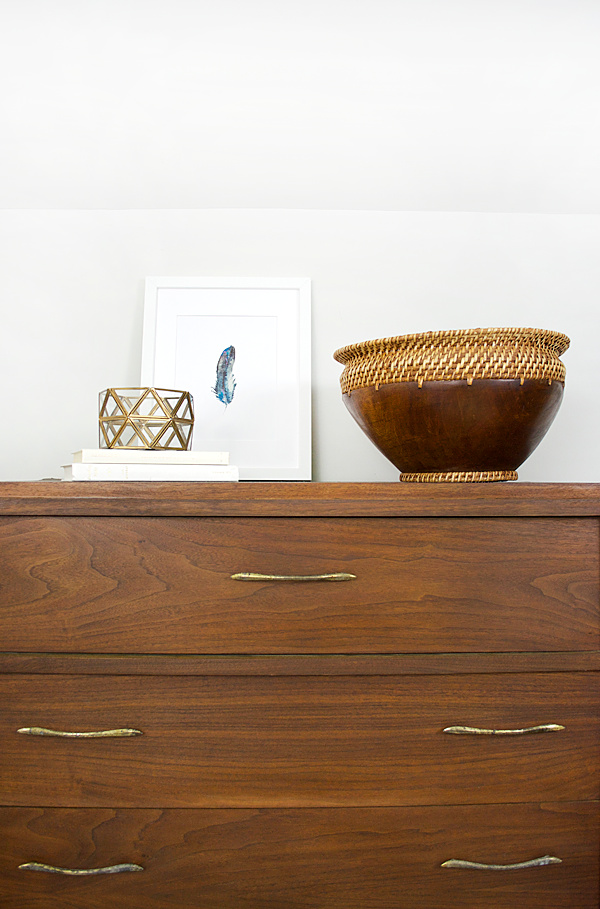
(460, 476)
(483, 353)
(554, 341)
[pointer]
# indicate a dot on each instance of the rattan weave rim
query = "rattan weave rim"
(461, 354)
(460, 476)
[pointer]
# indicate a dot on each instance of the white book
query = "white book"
(146, 456)
(163, 472)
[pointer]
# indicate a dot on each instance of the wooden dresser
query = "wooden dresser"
(299, 696)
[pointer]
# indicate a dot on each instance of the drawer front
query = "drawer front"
(164, 585)
(298, 741)
(289, 859)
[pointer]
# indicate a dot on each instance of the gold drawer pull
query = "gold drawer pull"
(110, 869)
(103, 734)
(250, 576)
(532, 863)
(474, 730)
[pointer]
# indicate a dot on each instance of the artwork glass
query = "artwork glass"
(242, 348)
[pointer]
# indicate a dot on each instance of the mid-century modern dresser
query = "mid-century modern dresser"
(299, 696)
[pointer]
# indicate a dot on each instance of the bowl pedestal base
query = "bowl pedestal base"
(460, 476)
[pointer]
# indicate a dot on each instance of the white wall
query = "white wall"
(429, 164)
(484, 105)
(72, 286)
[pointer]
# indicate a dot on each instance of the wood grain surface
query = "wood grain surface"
(163, 585)
(312, 859)
(298, 664)
(451, 425)
(300, 499)
(292, 753)
(298, 741)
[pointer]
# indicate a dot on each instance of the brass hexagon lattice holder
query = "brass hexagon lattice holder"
(146, 418)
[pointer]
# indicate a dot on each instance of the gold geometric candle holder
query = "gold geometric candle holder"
(146, 418)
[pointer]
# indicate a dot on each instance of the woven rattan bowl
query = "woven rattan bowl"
(456, 406)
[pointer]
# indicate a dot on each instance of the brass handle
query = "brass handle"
(109, 869)
(474, 730)
(532, 863)
(250, 576)
(102, 734)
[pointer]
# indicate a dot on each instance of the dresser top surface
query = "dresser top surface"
(299, 499)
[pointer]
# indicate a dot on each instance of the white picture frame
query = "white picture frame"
(259, 408)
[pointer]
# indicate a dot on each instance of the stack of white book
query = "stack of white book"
(129, 464)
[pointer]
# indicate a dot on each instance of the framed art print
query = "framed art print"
(241, 346)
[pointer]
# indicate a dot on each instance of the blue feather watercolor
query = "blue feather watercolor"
(225, 384)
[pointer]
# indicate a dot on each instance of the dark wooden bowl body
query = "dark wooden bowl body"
(492, 424)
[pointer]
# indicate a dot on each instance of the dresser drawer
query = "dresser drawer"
(312, 859)
(298, 741)
(165, 585)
